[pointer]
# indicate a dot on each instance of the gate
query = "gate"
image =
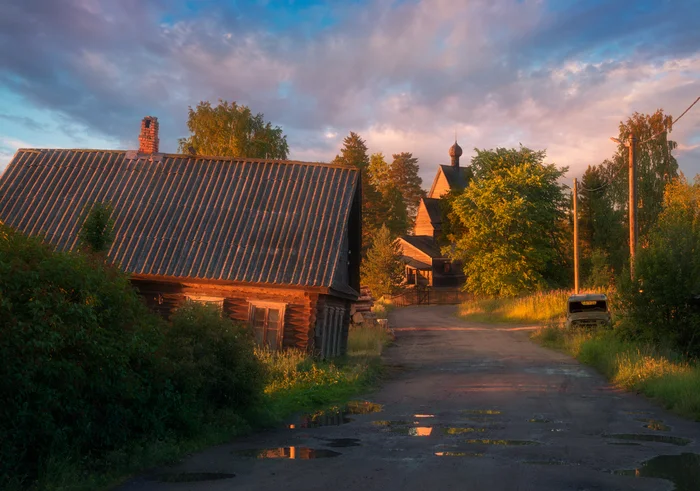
(430, 296)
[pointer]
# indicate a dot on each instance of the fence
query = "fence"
(430, 296)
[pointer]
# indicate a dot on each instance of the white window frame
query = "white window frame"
(280, 306)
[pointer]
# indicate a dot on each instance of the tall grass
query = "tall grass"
(538, 307)
(367, 340)
(657, 373)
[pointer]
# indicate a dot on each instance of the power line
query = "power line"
(591, 190)
(672, 123)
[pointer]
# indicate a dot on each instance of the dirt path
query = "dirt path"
(540, 419)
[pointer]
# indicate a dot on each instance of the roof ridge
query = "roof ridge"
(194, 157)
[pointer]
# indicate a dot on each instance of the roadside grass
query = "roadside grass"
(538, 307)
(295, 383)
(382, 307)
(367, 341)
(659, 374)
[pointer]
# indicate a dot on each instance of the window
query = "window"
(329, 338)
(267, 320)
(217, 302)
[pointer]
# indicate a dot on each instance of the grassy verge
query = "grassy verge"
(663, 376)
(539, 307)
(295, 383)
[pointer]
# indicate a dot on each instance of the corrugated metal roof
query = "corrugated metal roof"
(212, 218)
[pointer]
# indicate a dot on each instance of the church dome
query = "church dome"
(455, 150)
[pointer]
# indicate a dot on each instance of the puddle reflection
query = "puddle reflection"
(292, 453)
(502, 442)
(462, 431)
(459, 454)
(654, 424)
(683, 470)
(673, 440)
(336, 415)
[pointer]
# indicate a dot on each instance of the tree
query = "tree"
(97, 232)
(354, 154)
(667, 275)
(396, 216)
(379, 171)
(231, 130)
(511, 212)
(382, 270)
(404, 175)
(601, 224)
(656, 166)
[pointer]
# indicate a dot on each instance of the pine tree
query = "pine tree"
(404, 175)
(354, 154)
(382, 270)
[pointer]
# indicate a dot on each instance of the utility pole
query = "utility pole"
(633, 201)
(576, 236)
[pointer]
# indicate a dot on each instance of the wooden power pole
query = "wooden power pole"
(576, 289)
(633, 201)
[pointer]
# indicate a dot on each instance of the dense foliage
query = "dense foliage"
(659, 300)
(97, 233)
(383, 268)
(85, 367)
(232, 130)
(511, 215)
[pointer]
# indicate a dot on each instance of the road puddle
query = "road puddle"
(539, 420)
(481, 412)
(292, 453)
(423, 415)
(462, 431)
(641, 437)
(362, 407)
(566, 371)
(413, 430)
(654, 424)
(384, 422)
(625, 444)
(682, 470)
(459, 454)
(506, 443)
(194, 477)
(335, 415)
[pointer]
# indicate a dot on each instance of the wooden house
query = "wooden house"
(425, 265)
(272, 243)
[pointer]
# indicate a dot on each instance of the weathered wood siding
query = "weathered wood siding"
(423, 225)
(300, 312)
(325, 301)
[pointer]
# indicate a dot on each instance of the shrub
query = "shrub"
(85, 367)
(214, 365)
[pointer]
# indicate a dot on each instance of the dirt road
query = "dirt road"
(468, 407)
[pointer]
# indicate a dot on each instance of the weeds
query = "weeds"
(660, 374)
(536, 308)
(367, 340)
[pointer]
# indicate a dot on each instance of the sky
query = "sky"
(407, 75)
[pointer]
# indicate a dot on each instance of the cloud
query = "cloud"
(405, 75)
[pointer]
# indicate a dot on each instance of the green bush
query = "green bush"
(658, 301)
(214, 365)
(85, 367)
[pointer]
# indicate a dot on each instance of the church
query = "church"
(425, 264)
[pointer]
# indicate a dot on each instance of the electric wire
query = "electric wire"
(592, 190)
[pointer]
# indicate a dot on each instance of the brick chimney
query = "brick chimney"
(148, 139)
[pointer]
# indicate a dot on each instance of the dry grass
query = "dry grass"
(539, 307)
(367, 340)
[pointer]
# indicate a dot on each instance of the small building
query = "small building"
(272, 243)
(425, 263)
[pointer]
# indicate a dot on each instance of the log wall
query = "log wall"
(300, 313)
